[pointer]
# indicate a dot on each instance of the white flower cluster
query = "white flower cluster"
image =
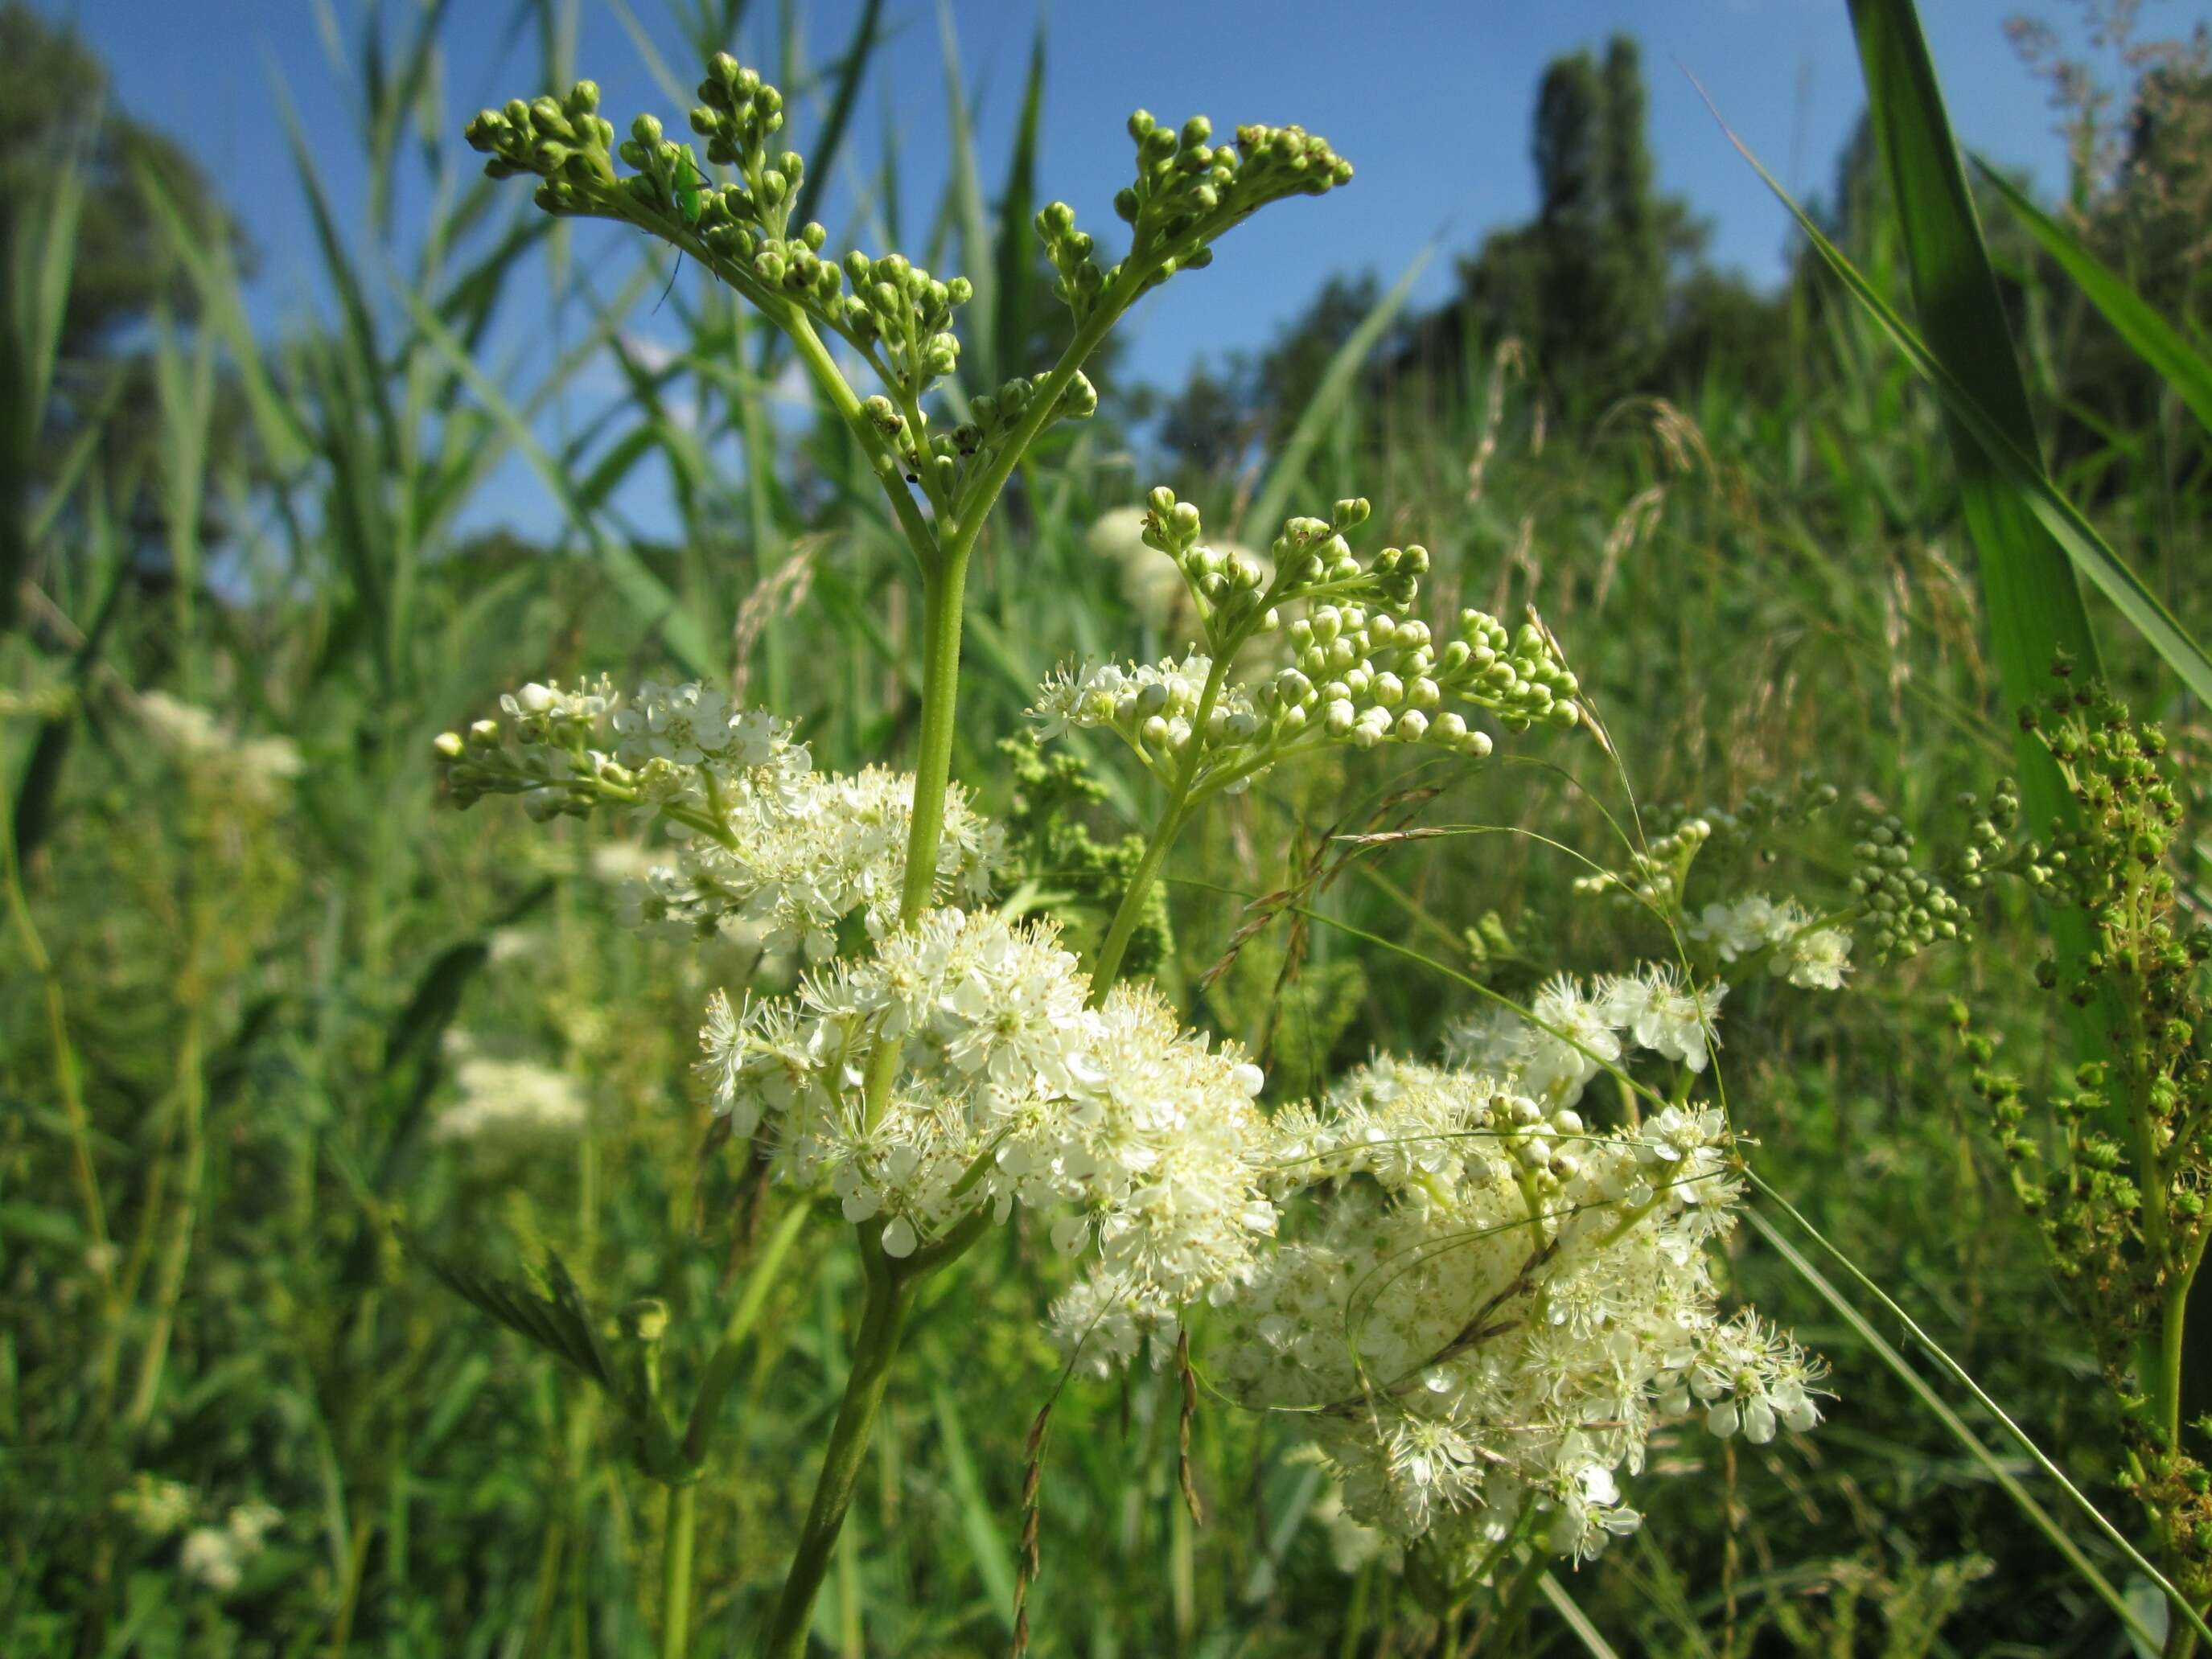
(1010, 1088)
(155, 1506)
(1494, 1304)
(217, 1556)
(1577, 1030)
(507, 1106)
(1810, 958)
(790, 866)
(760, 839)
(258, 768)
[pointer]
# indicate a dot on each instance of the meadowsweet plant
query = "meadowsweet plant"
(2115, 1164)
(1480, 1299)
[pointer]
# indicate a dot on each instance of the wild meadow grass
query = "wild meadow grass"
(294, 1053)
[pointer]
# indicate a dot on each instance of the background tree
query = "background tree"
(63, 128)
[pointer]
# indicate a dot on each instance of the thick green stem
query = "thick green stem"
(944, 590)
(682, 1530)
(881, 1321)
(981, 493)
(184, 1222)
(823, 368)
(68, 1076)
(941, 597)
(2174, 1315)
(1108, 968)
(722, 1366)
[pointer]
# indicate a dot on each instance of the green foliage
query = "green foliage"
(2116, 1173)
(444, 1496)
(1049, 796)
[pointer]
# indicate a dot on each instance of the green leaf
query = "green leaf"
(646, 592)
(2032, 540)
(560, 1323)
(1268, 505)
(2184, 368)
(1938, 1409)
(963, 204)
(1018, 247)
(986, 1540)
(851, 69)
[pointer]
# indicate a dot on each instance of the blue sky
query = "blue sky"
(1429, 100)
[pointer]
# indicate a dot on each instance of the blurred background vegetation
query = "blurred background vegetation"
(255, 978)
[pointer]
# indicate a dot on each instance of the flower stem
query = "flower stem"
(942, 596)
(1108, 968)
(722, 1366)
(69, 1075)
(681, 1531)
(882, 1320)
(943, 589)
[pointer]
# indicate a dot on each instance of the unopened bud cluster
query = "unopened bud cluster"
(1188, 191)
(993, 417)
(1908, 910)
(1358, 672)
(2116, 1168)
(1655, 877)
(1989, 832)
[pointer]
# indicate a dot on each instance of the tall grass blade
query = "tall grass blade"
(986, 1542)
(2184, 368)
(1335, 384)
(852, 69)
(964, 189)
(647, 594)
(1575, 1619)
(2017, 516)
(1016, 279)
(33, 807)
(40, 230)
(278, 424)
(1951, 1420)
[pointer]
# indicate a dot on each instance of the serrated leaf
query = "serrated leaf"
(560, 1323)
